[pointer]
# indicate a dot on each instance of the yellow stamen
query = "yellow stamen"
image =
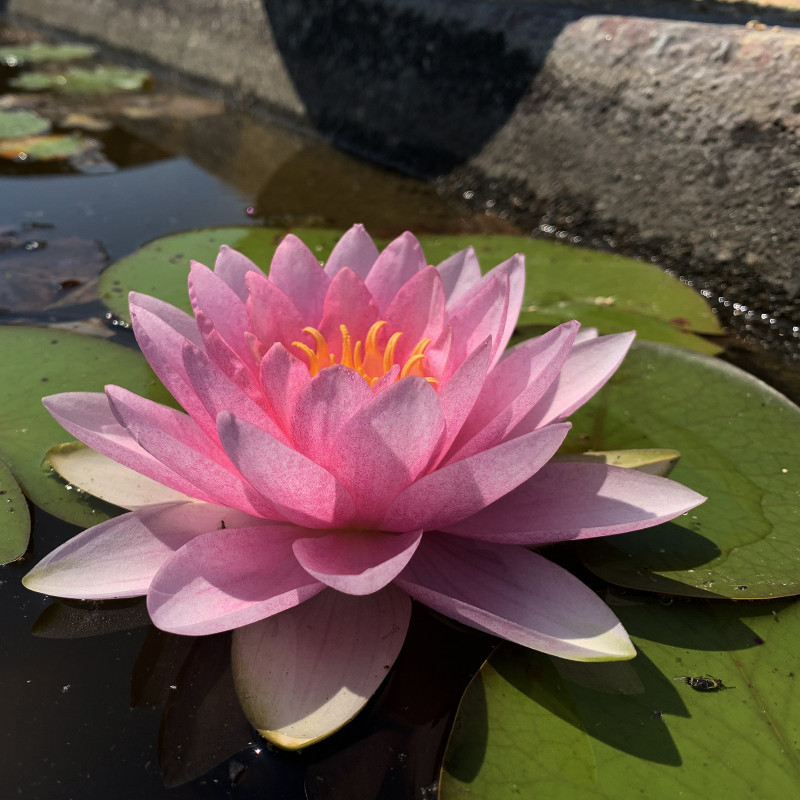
(410, 364)
(313, 363)
(347, 352)
(388, 353)
(319, 341)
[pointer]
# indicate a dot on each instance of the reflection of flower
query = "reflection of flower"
(334, 417)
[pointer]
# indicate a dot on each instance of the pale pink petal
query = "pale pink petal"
(398, 263)
(389, 378)
(584, 334)
(283, 376)
(515, 594)
(512, 388)
(88, 417)
(585, 372)
(356, 562)
(162, 346)
(302, 675)
(233, 267)
(437, 356)
(228, 578)
(387, 444)
(323, 407)
(355, 250)
(458, 395)
(459, 274)
(220, 304)
(299, 275)
(178, 443)
(348, 302)
(220, 394)
(301, 490)
(565, 500)
(515, 269)
(181, 322)
(463, 488)
(119, 558)
(273, 317)
(417, 310)
(109, 480)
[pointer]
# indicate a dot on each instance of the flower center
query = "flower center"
(366, 358)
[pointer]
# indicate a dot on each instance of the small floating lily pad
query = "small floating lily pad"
(18, 124)
(740, 446)
(57, 147)
(100, 80)
(39, 52)
(37, 362)
(15, 519)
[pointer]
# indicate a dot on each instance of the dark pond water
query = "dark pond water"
(95, 702)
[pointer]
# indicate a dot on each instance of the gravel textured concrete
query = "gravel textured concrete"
(677, 126)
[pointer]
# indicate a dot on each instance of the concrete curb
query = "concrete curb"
(665, 131)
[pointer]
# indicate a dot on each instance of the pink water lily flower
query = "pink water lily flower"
(354, 436)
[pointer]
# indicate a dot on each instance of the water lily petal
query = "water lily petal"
(88, 417)
(109, 480)
(297, 273)
(348, 300)
(178, 443)
(566, 500)
(584, 334)
(181, 322)
(385, 445)
(228, 578)
(585, 372)
(399, 262)
(119, 558)
(513, 387)
(302, 675)
(355, 250)
(283, 376)
(325, 404)
(356, 562)
(463, 488)
(233, 267)
(273, 317)
(301, 490)
(516, 594)
(459, 274)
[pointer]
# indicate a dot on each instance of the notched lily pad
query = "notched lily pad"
(18, 124)
(39, 52)
(15, 518)
(740, 446)
(100, 80)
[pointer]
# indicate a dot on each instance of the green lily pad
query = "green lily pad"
(740, 446)
(562, 283)
(531, 726)
(100, 80)
(57, 147)
(39, 52)
(17, 124)
(38, 362)
(15, 519)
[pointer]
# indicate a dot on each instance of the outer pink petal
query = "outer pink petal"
(298, 274)
(348, 302)
(513, 387)
(585, 372)
(584, 334)
(387, 444)
(463, 488)
(326, 403)
(233, 267)
(273, 317)
(177, 442)
(459, 274)
(302, 675)
(283, 376)
(516, 594)
(228, 578)
(355, 250)
(181, 322)
(566, 500)
(88, 417)
(356, 562)
(301, 490)
(119, 558)
(417, 310)
(398, 263)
